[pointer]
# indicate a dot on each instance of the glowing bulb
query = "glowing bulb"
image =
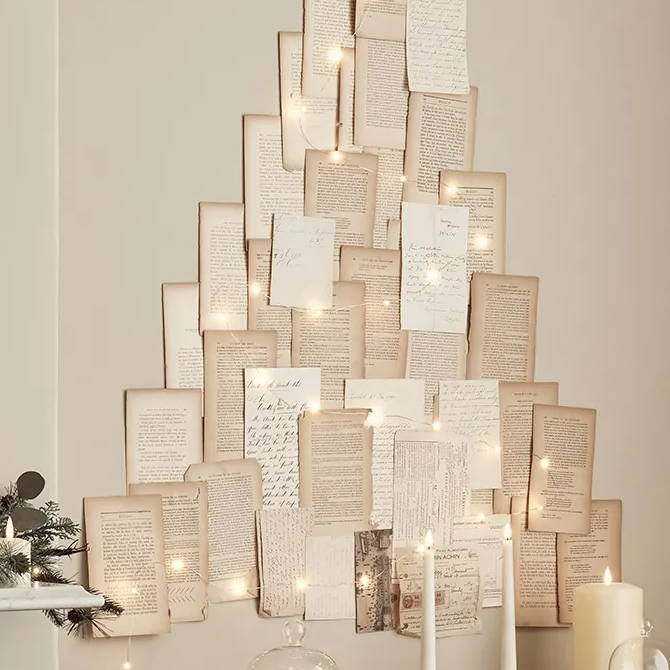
(127, 665)
(428, 540)
(540, 508)
(134, 590)
(177, 564)
(452, 190)
(316, 312)
(261, 380)
(36, 570)
(301, 585)
(335, 55)
(255, 289)
(607, 577)
(508, 532)
(303, 109)
(481, 241)
(386, 303)
(9, 529)
(482, 517)
(434, 276)
(437, 425)
(239, 588)
(364, 581)
(375, 418)
(313, 406)
(336, 156)
(403, 178)
(544, 463)
(497, 449)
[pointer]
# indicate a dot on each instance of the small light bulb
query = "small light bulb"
(481, 241)
(335, 55)
(127, 665)
(544, 463)
(303, 109)
(437, 425)
(301, 585)
(134, 590)
(374, 418)
(434, 276)
(177, 564)
(403, 178)
(452, 190)
(317, 312)
(482, 517)
(336, 156)
(540, 508)
(313, 406)
(364, 581)
(36, 570)
(255, 289)
(497, 448)
(386, 303)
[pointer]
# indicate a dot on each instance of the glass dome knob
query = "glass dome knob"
(294, 631)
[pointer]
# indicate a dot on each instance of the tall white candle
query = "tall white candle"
(508, 631)
(428, 606)
(16, 546)
(604, 616)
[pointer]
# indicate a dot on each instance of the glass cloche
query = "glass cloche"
(292, 655)
(642, 653)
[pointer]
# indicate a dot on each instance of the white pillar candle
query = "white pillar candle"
(508, 631)
(428, 606)
(604, 616)
(16, 545)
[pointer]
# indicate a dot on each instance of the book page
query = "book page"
(503, 318)
(330, 578)
(516, 430)
(502, 504)
(372, 561)
(269, 189)
(274, 398)
(385, 344)
(233, 497)
(485, 196)
(185, 541)
(381, 19)
(163, 434)
(434, 287)
(583, 559)
(345, 101)
(436, 46)
(336, 469)
(332, 339)
(561, 472)
(380, 103)
(329, 27)
(535, 588)
(393, 234)
(223, 266)
(431, 486)
(440, 136)
(227, 353)
(306, 122)
(282, 535)
(262, 315)
(181, 336)
(389, 192)
(481, 502)
(126, 562)
(342, 186)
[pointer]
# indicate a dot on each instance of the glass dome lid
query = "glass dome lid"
(642, 653)
(292, 655)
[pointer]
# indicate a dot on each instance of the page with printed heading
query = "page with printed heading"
(227, 353)
(440, 136)
(185, 541)
(381, 19)
(269, 189)
(332, 339)
(389, 192)
(126, 562)
(163, 434)
(503, 319)
(345, 103)
(372, 567)
(561, 472)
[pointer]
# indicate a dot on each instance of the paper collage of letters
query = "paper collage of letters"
(354, 368)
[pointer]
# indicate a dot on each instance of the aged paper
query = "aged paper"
(380, 103)
(502, 504)
(372, 558)
(431, 486)
(330, 577)
(503, 318)
(163, 434)
(393, 234)
(223, 266)
(389, 193)
(181, 336)
(305, 122)
(185, 540)
(336, 469)
(126, 562)
(233, 497)
(274, 398)
(227, 353)
(385, 344)
(396, 405)
(332, 339)
(434, 287)
(458, 592)
(583, 559)
(472, 408)
(282, 535)
(342, 186)
(481, 502)
(329, 27)
(302, 247)
(561, 472)
(345, 106)
(485, 196)
(262, 315)
(516, 430)
(436, 46)
(440, 136)
(381, 19)
(269, 189)
(535, 593)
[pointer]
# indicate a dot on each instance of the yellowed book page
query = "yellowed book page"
(561, 473)
(185, 540)
(381, 19)
(385, 343)
(126, 562)
(516, 430)
(503, 319)
(345, 109)
(223, 266)
(583, 559)
(336, 469)
(269, 189)
(227, 354)
(380, 103)
(307, 123)
(329, 28)
(389, 192)
(233, 497)
(181, 336)
(440, 136)
(262, 315)
(163, 434)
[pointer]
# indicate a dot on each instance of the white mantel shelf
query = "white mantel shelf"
(47, 597)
